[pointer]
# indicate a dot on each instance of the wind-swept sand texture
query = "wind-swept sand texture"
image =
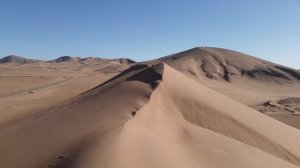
(286, 110)
(150, 116)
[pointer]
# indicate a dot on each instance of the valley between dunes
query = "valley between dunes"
(204, 107)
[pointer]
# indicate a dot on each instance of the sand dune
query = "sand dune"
(228, 65)
(247, 79)
(150, 116)
(216, 67)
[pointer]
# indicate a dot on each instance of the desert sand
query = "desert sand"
(204, 107)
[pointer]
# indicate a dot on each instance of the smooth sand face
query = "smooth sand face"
(171, 114)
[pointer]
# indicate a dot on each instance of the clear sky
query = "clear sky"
(147, 29)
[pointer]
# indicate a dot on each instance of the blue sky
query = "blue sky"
(147, 29)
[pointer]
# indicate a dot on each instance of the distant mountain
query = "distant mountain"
(65, 59)
(17, 59)
(124, 60)
(73, 59)
(91, 59)
(22, 60)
